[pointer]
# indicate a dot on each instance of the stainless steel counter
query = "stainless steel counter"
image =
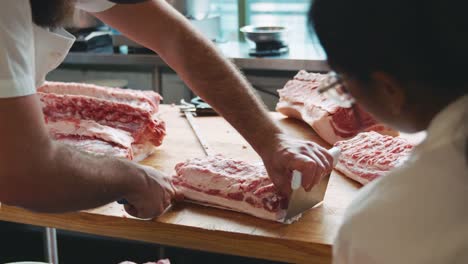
(303, 56)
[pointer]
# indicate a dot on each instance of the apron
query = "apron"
(51, 47)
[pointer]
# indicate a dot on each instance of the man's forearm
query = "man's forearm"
(198, 63)
(218, 82)
(61, 179)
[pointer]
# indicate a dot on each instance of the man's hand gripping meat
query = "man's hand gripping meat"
(154, 198)
(288, 154)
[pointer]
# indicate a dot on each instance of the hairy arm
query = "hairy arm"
(156, 25)
(41, 175)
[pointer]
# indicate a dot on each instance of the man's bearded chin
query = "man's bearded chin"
(51, 13)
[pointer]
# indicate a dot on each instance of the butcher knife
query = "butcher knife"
(300, 200)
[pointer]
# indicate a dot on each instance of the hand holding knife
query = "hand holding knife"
(300, 200)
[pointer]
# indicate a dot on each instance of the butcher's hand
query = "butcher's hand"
(288, 154)
(153, 197)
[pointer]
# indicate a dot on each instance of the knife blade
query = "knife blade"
(300, 200)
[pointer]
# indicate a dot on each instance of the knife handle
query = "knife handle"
(296, 180)
(335, 152)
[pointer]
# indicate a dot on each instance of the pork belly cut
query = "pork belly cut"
(143, 125)
(82, 134)
(90, 129)
(230, 184)
(89, 136)
(146, 100)
(300, 99)
(370, 155)
(96, 146)
(103, 120)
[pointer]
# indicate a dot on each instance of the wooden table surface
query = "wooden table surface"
(190, 226)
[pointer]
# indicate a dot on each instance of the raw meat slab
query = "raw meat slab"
(230, 184)
(370, 155)
(102, 120)
(300, 99)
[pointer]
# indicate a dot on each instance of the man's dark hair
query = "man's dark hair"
(50, 13)
(422, 41)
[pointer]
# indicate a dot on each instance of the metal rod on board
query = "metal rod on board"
(186, 109)
(50, 245)
(194, 127)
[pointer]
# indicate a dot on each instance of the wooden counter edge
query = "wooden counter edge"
(175, 235)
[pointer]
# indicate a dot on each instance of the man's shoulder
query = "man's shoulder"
(426, 180)
(407, 209)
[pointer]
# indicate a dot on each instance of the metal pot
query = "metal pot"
(79, 20)
(193, 9)
(259, 34)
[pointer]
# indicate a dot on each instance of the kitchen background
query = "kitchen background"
(104, 57)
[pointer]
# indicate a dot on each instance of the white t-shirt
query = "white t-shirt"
(29, 52)
(419, 213)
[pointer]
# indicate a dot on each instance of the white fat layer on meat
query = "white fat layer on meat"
(233, 205)
(91, 128)
(318, 119)
(306, 93)
(210, 180)
(303, 75)
(97, 147)
(142, 151)
(344, 170)
(219, 173)
(146, 100)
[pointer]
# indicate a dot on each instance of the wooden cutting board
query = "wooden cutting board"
(190, 226)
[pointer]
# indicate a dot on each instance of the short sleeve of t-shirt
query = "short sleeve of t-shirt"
(16, 49)
(102, 5)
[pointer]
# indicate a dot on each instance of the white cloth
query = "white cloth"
(50, 49)
(94, 5)
(28, 52)
(16, 49)
(418, 213)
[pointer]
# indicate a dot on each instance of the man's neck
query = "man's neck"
(424, 114)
